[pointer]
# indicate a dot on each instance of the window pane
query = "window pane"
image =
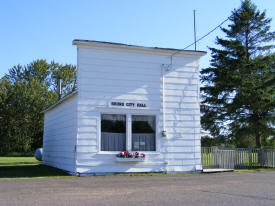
(113, 132)
(143, 133)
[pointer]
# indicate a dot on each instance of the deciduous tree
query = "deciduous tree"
(24, 92)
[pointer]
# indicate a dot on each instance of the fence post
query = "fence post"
(261, 157)
(214, 157)
(233, 159)
(250, 159)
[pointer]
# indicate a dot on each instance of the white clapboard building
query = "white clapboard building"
(139, 99)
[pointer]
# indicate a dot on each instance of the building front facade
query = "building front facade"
(139, 99)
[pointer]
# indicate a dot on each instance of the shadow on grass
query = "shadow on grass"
(30, 171)
(16, 154)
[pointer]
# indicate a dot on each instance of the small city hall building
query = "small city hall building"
(139, 99)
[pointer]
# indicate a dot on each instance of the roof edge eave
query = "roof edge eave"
(171, 51)
(60, 101)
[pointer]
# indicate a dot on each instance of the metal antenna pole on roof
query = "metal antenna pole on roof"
(59, 88)
(195, 36)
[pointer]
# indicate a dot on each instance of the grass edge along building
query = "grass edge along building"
(139, 99)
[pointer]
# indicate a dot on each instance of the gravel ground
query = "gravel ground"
(245, 188)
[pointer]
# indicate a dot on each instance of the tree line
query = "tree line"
(24, 92)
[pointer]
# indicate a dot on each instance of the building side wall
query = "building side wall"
(182, 147)
(60, 131)
(105, 75)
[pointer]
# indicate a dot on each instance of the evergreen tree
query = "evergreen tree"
(239, 87)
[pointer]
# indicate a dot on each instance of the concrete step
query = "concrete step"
(215, 170)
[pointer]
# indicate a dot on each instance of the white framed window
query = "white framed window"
(117, 130)
(113, 132)
(143, 133)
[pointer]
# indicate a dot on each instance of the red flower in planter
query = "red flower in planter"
(126, 154)
(136, 155)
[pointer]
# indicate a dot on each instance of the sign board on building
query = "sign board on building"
(128, 105)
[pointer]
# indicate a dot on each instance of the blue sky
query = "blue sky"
(32, 29)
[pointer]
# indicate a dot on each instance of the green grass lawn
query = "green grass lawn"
(27, 167)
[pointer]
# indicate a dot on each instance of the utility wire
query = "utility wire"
(171, 57)
(228, 18)
(207, 33)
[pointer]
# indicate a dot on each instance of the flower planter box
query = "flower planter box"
(130, 160)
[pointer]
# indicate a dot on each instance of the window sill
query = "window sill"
(109, 152)
(115, 153)
(121, 159)
(147, 152)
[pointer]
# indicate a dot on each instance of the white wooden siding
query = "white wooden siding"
(106, 74)
(60, 131)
